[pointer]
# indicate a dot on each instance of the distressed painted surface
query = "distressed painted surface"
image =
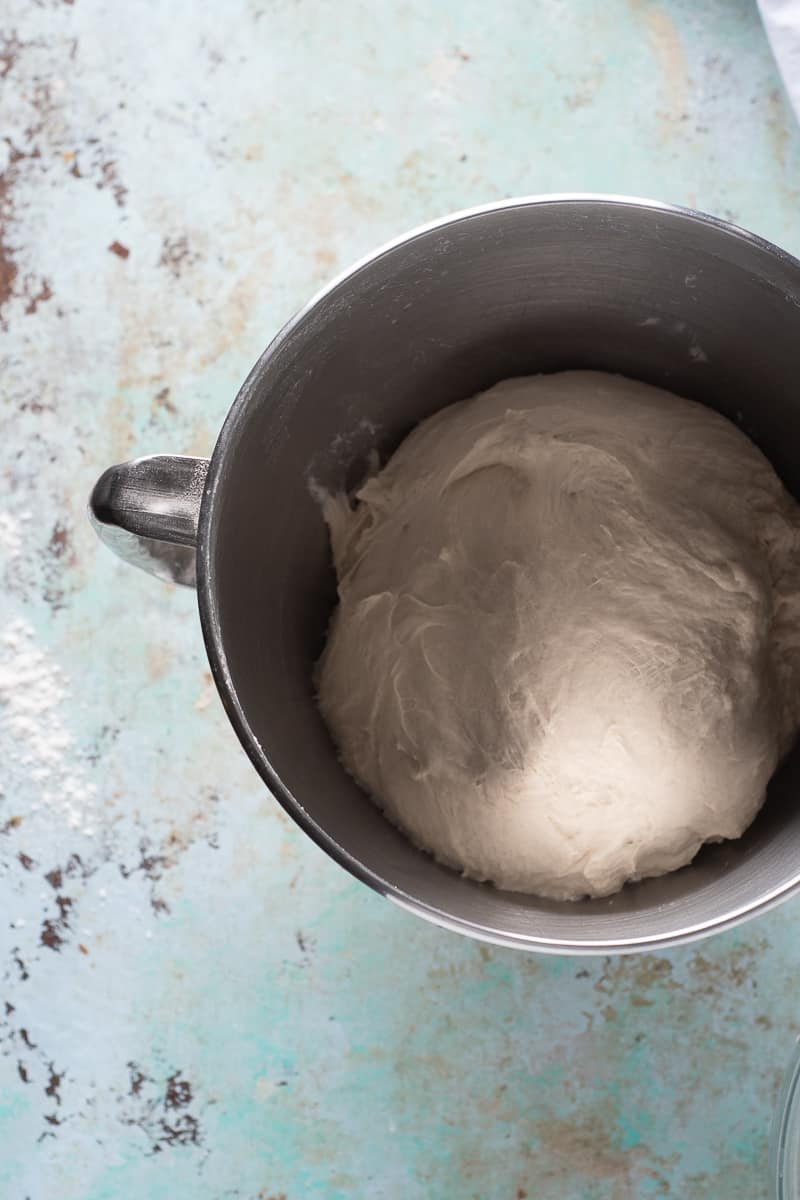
(195, 1001)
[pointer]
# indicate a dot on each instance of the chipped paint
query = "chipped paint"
(665, 40)
(194, 1001)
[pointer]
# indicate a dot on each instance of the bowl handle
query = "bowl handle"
(147, 511)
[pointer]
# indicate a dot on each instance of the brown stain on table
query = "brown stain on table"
(666, 47)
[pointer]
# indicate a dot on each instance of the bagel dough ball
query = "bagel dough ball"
(567, 646)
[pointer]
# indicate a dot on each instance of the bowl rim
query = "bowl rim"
(784, 1121)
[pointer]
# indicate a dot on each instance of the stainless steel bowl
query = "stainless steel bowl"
(662, 294)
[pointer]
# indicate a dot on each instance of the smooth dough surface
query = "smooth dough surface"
(567, 646)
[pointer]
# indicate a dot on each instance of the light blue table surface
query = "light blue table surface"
(196, 1003)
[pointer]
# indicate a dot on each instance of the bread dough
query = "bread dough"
(567, 646)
